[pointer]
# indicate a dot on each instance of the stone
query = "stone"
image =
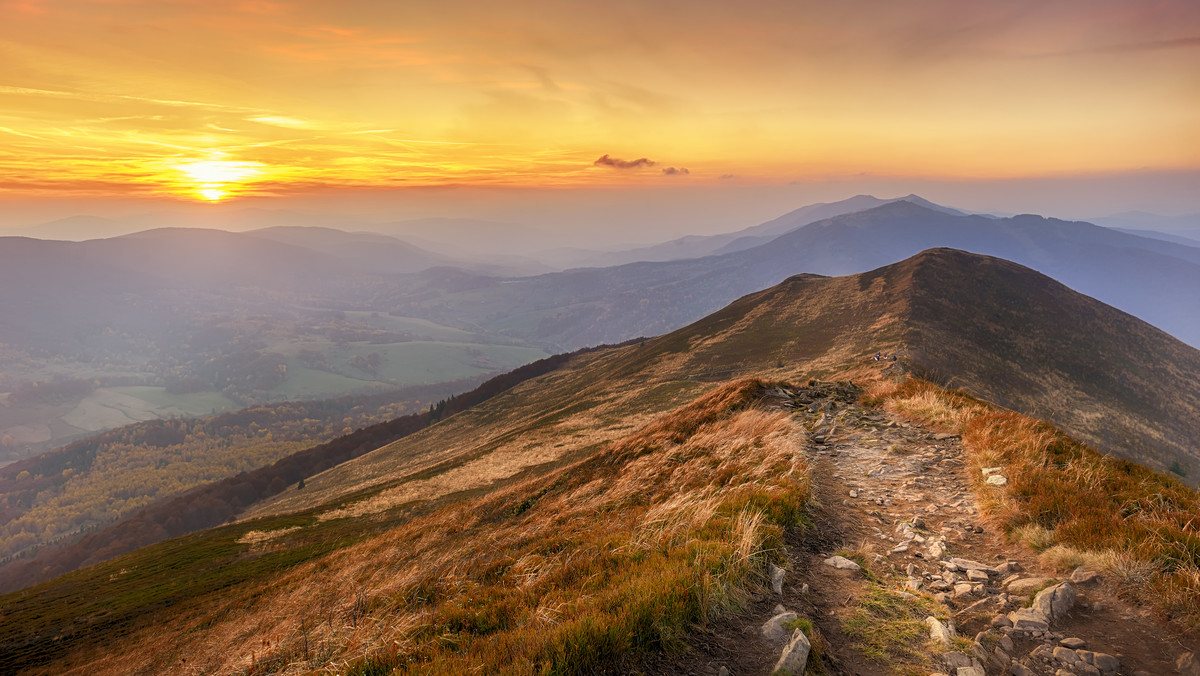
(1001, 621)
(723, 671)
(842, 563)
(804, 588)
(1008, 567)
(977, 576)
(1080, 576)
(1028, 620)
(776, 579)
(1026, 585)
(1007, 645)
(773, 629)
(956, 661)
(1188, 664)
(853, 493)
(779, 608)
(1042, 652)
(979, 606)
(969, 671)
(1107, 664)
(967, 564)
(1055, 602)
(996, 480)
(1073, 643)
(1066, 655)
(914, 584)
(899, 549)
(1018, 669)
(963, 589)
(1001, 657)
(943, 436)
(936, 550)
(939, 632)
(988, 471)
(795, 655)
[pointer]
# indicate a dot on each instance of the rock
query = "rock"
(943, 436)
(939, 632)
(1042, 652)
(1055, 602)
(1073, 643)
(936, 550)
(1007, 645)
(996, 480)
(1018, 669)
(804, 589)
(968, 565)
(1188, 664)
(899, 549)
(1065, 656)
(1002, 658)
(914, 584)
(842, 563)
(795, 655)
(969, 671)
(1107, 664)
(956, 661)
(723, 671)
(963, 589)
(1008, 567)
(977, 576)
(853, 493)
(979, 606)
(779, 608)
(1026, 585)
(988, 471)
(1080, 576)
(1001, 621)
(773, 629)
(776, 579)
(1028, 620)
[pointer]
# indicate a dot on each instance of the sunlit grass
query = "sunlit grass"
(1077, 506)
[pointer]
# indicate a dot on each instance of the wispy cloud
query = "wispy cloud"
(672, 171)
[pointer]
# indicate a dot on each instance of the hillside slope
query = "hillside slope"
(561, 525)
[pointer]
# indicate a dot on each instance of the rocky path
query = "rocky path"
(895, 497)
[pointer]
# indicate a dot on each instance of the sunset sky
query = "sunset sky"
(227, 100)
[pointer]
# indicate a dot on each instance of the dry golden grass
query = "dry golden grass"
(1082, 508)
(579, 569)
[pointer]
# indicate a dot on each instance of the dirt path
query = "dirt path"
(895, 497)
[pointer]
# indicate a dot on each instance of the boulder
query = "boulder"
(773, 629)
(996, 480)
(1055, 602)
(776, 579)
(1026, 585)
(969, 565)
(842, 563)
(795, 655)
(1028, 620)
(939, 632)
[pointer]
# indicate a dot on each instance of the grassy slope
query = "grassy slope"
(693, 504)
(1079, 506)
(1020, 339)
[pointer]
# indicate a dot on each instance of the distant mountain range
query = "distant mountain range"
(1154, 279)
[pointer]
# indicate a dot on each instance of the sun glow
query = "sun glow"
(214, 180)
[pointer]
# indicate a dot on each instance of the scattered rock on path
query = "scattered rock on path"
(795, 655)
(1055, 602)
(996, 480)
(940, 632)
(1026, 585)
(842, 563)
(777, 579)
(773, 629)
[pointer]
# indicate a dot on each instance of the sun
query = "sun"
(215, 180)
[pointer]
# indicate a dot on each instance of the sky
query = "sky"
(668, 109)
